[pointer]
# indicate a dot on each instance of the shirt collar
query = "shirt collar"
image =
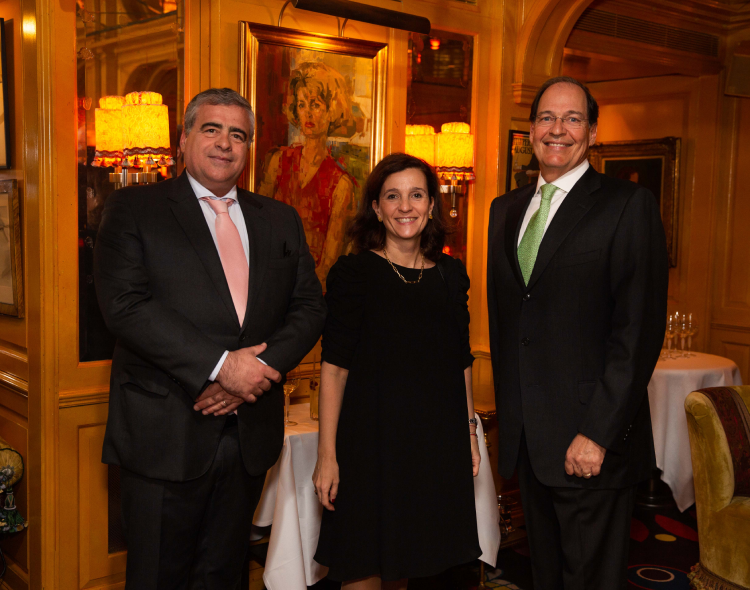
(568, 180)
(201, 191)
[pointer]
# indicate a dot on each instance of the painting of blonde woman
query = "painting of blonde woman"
(313, 140)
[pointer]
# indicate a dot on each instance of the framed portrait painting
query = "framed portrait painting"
(523, 167)
(319, 104)
(11, 267)
(652, 163)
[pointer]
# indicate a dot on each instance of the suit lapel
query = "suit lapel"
(259, 238)
(513, 221)
(189, 214)
(575, 205)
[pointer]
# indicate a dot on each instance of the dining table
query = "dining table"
(672, 381)
(289, 504)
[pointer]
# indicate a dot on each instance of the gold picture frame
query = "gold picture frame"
(319, 104)
(254, 38)
(11, 263)
(653, 163)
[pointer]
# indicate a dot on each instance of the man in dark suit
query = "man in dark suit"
(577, 292)
(212, 294)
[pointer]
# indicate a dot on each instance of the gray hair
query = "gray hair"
(217, 96)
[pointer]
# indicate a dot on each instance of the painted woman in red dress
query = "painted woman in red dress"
(306, 176)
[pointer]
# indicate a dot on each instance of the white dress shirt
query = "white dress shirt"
(235, 214)
(564, 185)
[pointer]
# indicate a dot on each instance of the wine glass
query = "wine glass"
(670, 336)
(682, 331)
(290, 386)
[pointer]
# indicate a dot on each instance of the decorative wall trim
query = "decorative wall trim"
(481, 354)
(14, 383)
(84, 397)
(731, 328)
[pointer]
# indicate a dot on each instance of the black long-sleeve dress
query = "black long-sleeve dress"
(405, 505)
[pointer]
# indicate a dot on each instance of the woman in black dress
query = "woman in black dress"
(398, 442)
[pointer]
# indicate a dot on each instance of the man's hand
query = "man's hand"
(244, 376)
(214, 400)
(584, 457)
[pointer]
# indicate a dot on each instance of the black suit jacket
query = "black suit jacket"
(574, 350)
(163, 294)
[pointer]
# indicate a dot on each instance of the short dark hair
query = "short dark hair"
(592, 108)
(365, 232)
(217, 96)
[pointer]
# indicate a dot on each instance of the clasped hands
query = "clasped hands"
(584, 457)
(242, 378)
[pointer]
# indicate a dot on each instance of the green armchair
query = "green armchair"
(719, 428)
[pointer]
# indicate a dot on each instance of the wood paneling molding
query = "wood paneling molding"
(732, 342)
(84, 397)
(541, 41)
(681, 62)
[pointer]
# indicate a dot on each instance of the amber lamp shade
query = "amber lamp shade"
(420, 142)
(455, 151)
(145, 126)
(108, 126)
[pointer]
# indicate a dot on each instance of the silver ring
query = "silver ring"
(587, 476)
(224, 403)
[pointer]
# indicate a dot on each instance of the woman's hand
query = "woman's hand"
(476, 458)
(326, 480)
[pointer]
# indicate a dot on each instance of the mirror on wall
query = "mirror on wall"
(439, 86)
(122, 47)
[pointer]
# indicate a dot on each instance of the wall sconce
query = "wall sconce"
(455, 160)
(108, 126)
(420, 142)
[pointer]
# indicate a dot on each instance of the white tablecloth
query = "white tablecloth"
(289, 502)
(672, 381)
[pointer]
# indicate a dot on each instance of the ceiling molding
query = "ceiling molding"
(681, 62)
(708, 16)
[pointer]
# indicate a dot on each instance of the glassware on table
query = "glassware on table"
(670, 336)
(290, 386)
(314, 393)
(682, 332)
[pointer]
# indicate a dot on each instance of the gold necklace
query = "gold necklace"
(402, 276)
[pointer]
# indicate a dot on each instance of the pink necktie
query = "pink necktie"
(232, 254)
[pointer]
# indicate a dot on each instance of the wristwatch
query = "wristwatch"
(473, 421)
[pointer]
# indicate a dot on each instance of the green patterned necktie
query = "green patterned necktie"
(532, 237)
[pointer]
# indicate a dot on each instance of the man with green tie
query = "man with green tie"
(577, 295)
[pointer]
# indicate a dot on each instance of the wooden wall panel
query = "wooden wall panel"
(680, 106)
(730, 328)
(733, 343)
(84, 558)
(14, 429)
(732, 293)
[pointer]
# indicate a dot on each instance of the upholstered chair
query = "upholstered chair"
(719, 427)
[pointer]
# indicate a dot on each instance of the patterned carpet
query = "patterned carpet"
(663, 547)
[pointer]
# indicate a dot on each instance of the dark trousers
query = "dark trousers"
(579, 539)
(191, 535)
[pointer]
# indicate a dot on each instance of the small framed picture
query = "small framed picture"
(11, 265)
(652, 163)
(523, 167)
